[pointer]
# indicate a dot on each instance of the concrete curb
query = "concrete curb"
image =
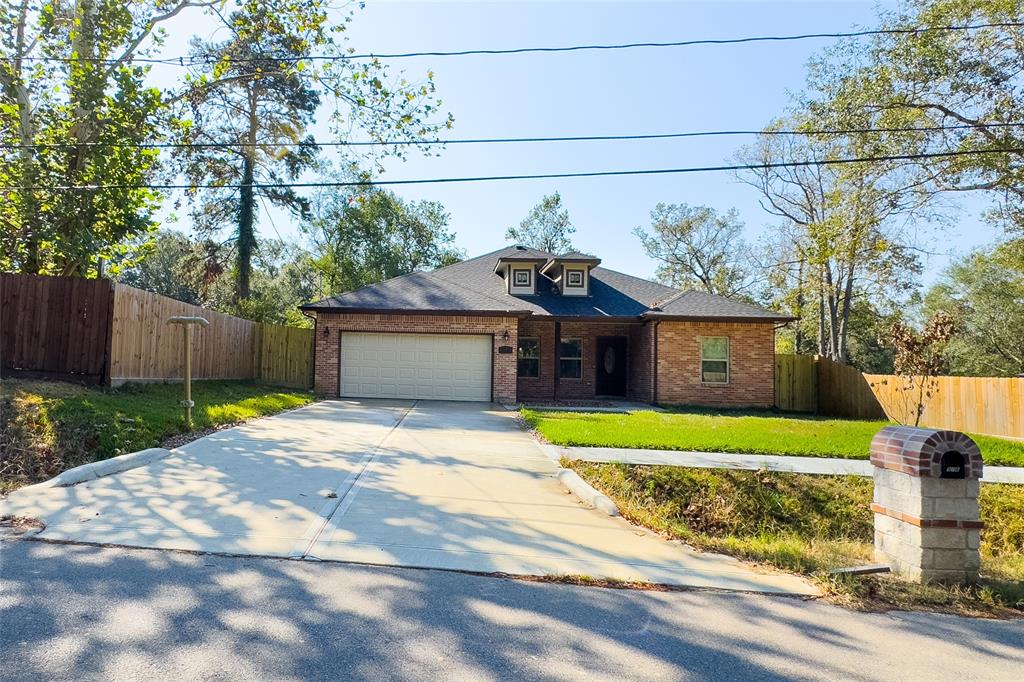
(586, 492)
(576, 485)
(106, 467)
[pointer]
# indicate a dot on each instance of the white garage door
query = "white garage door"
(428, 366)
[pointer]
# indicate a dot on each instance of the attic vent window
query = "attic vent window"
(575, 278)
(521, 278)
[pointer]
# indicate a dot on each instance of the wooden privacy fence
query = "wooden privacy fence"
(285, 355)
(145, 348)
(989, 405)
(55, 327)
(106, 332)
(796, 386)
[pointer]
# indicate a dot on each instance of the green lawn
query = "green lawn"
(733, 431)
(47, 426)
(810, 524)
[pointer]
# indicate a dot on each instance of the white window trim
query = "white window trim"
(562, 357)
(568, 278)
(727, 360)
(529, 278)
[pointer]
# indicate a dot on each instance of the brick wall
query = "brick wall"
(752, 361)
(641, 367)
(328, 345)
(543, 386)
(640, 351)
(751, 371)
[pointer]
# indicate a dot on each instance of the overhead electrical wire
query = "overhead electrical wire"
(506, 140)
(540, 176)
(196, 60)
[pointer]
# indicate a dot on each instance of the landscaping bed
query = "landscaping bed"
(754, 432)
(810, 524)
(47, 427)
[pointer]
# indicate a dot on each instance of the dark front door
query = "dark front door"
(611, 365)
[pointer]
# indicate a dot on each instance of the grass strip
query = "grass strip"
(809, 524)
(48, 427)
(751, 432)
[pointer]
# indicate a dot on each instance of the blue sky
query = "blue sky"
(582, 93)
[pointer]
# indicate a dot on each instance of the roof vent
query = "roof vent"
(520, 247)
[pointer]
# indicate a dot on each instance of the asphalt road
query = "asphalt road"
(84, 612)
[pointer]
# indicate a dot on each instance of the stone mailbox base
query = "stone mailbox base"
(927, 521)
(940, 542)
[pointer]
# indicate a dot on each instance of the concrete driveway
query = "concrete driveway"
(425, 484)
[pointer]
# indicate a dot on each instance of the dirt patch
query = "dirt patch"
(14, 526)
(184, 438)
(608, 583)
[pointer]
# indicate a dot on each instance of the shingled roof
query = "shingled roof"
(472, 286)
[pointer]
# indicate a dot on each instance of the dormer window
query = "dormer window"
(519, 273)
(571, 273)
(574, 280)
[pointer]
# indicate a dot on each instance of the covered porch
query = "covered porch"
(566, 360)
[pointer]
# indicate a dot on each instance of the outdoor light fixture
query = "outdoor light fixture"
(327, 331)
(505, 335)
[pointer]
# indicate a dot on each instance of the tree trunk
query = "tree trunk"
(29, 218)
(246, 233)
(798, 307)
(822, 349)
(247, 203)
(83, 99)
(847, 303)
(833, 316)
(28, 222)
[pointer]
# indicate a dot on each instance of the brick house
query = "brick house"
(521, 324)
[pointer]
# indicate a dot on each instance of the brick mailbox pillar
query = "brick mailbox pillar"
(927, 524)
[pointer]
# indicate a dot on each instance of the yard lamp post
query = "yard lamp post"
(186, 328)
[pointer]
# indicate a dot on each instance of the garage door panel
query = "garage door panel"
(427, 366)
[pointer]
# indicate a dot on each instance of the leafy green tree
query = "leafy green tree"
(370, 235)
(965, 83)
(984, 295)
(73, 105)
(199, 271)
(252, 106)
(284, 277)
(695, 246)
(547, 227)
(846, 224)
(168, 268)
(248, 121)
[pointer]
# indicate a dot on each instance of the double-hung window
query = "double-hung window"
(714, 359)
(528, 358)
(570, 358)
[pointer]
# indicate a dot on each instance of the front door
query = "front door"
(611, 365)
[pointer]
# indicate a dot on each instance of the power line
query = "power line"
(197, 60)
(505, 140)
(543, 176)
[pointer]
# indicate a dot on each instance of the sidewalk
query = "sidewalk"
(828, 466)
